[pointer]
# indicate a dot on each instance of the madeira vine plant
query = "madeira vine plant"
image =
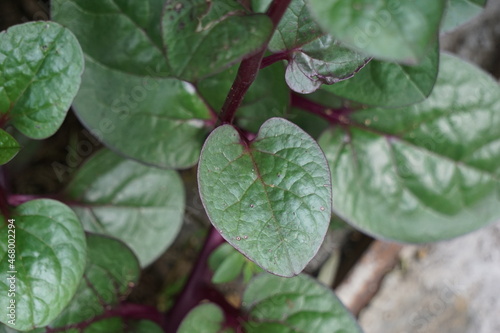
(290, 109)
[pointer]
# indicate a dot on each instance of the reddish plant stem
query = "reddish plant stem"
(197, 287)
(334, 116)
(249, 68)
(275, 57)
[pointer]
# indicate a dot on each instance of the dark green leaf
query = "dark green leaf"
(298, 304)
(399, 31)
(40, 68)
(390, 84)
(119, 34)
(203, 37)
(295, 29)
(459, 12)
(9, 147)
(425, 172)
(205, 318)
(141, 205)
(49, 262)
(156, 121)
(270, 198)
(121, 325)
(112, 269)
(324, 60)
(268, 97)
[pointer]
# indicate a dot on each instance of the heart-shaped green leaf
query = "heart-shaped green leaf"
(268, 96)
(43, 272)
(390, 84)
(9, 147)
(205, 318)
(323, 60)
(143, 206)
(425, 172)
(399, 31)
(119, 34)
(270, 198)
(112, 269)
(459, 12)
(203, 37)
(40, 71)
(120, 109)
(299, 304)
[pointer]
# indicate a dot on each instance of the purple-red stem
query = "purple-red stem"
(334, 116)
(247, 72)
(275, 57)
(197, 287)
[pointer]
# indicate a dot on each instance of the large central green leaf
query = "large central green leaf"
(270, 198)
(426, 172)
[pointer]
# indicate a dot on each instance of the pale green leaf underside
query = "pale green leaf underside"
(40, 71)
(298, 304)
(269, 199)
(205, 318)
(399, 31)
(9, 147)
(49, 260)
(425, 172)
(459, 12)
(140, 205)
(390, 84)
(153, 120)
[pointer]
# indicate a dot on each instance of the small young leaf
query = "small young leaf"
(324, 60)
(112, 269)
(109, 195)
(230, 268)
(426, 172)
(298, 304)
(121, 325)
(205, 318)
(270, 198)
(41, 64)
(155, 121)
(459, 12)
(203, 37)
(268, 97)
(121, 35)
(50, 254)
(399, 31)
(390, 84)
(9, 147)
(219, 255)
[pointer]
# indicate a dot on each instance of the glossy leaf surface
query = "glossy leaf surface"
(9, 147)
(203, 37)
(298, 304)
(49, 261)
(390, 84)
(399, 31)
(40, 71)
(270, 198)
(143, 206)
(425, 172)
